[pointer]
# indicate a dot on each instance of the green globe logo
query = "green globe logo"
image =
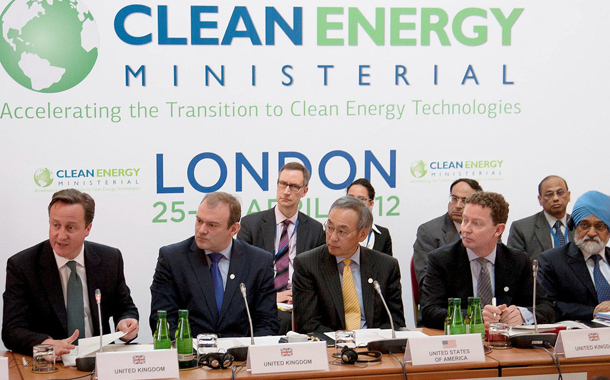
(418, 169)
(43, 177)
(48, 46)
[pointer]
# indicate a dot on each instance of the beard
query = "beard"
(590, 245)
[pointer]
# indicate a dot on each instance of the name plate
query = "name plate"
(3, 368)
(583, 342)
(288, 357)
(445, 349)
(155, 364)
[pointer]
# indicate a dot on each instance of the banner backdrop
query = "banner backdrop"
(147, 106)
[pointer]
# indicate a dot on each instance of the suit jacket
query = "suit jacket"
(430, 236)
(565, 278)
(258, 229)
(182, 280)
(383, 240)
(532, 235)
(449, 275)
(34, 306)
(318, 296)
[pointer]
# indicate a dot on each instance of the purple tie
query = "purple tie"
(282, 259)
(219, 290)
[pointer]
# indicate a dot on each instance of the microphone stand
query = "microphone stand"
(387, 346)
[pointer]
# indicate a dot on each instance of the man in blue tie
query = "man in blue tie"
(203, 275)
(575, 276)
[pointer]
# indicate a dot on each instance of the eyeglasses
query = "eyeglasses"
(586, 226)
(293, 187)
(341, 232)
(454, 199)
(551, 194)
(363, 199)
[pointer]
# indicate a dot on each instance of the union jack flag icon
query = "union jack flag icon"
(593, 337)
(139, 359)
(286, 351)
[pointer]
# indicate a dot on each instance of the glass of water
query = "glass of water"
(44, 358)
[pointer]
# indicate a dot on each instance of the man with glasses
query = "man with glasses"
(445, 229)
(379, 237)
(546, 229)
(576, 275)
(333, 284)
(284, 231)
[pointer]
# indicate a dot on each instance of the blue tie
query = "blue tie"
(219, 291)
(601, 285)
(560, 236)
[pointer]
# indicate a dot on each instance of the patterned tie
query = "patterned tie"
(601, 285)
(76, 304)
(282, 259)
(484, 283)
(560, 236)
(350, 298)
(219, 291)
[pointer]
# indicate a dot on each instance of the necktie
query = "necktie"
(560, 236)
(282, 259)
(219, 290)
(601, 285)
(484, 283)
(76, 304)
(350, 298)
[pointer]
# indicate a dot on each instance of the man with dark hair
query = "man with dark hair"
(379, 237)
(50, 287)
(480, 265)
(284, 231)
(547, 228)
(576, 275)
(445, 229)
(203, 275)
(333, 284)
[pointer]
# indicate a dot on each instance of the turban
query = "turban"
(592, 203)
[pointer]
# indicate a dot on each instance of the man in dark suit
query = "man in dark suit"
(203, 275)
(576, 275)
(379, 237)
(333, 284)
(480, 265)
(537, 233)
(444, 229)
(39, 304)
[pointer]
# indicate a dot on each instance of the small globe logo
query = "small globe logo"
(43, 177)
(418, 169)
(48, 46)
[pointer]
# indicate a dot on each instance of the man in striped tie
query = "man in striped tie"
(333, 284)
(576, 275)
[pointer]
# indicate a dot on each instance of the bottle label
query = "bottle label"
(185, 357)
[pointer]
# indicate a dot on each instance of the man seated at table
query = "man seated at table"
(333, 284)
(575, 275)
(50, 287)
(480, 265)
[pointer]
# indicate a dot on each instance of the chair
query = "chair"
(415, 289)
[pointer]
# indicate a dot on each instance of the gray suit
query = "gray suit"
(430, 236)
(532, 235)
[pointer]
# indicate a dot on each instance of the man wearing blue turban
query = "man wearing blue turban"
(576, 276)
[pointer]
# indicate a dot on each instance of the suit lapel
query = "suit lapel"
(330, 277)
(462, 265)
(367, 271)
(268, 231)
(95, 276)
(450, 234)
(201, 272)
(47, 268)
(542, 232)
(577, 264)
(302, 231)
(236, 276)
(502, 277)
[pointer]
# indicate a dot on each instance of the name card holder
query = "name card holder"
(445, 349)
(3, 368)
(580, 343)
(132, 365)
(288, 357)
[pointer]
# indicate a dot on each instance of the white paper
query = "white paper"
(87, 346)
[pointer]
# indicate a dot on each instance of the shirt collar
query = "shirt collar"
(374, 228)
(491, 257)
(355, 257)
(279, 217)
(225, 252)
(62, 261)
(551, 219)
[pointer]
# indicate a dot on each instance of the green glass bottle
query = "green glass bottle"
(477, 325)
(161, 336)
(447, 322)
(457, 321)
(184, 340)
(468, 315)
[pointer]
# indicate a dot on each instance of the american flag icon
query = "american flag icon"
(139, 359)
(286, 351)
(450, 343)
(593, 337)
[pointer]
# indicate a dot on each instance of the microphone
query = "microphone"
(535, 339)
(87, 363)
(387, 346)
(241, 353)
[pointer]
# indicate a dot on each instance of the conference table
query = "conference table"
(498, 363)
